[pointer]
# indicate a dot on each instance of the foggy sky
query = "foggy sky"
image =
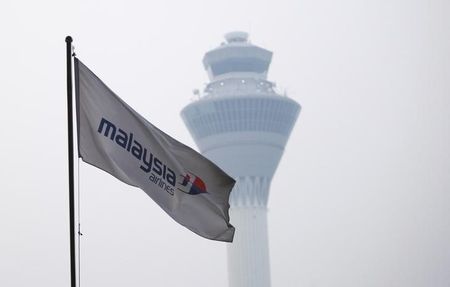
(362, 193)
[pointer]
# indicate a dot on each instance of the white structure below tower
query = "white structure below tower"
(242, 124)
(248, 255)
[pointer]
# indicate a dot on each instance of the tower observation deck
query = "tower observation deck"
(242, 123)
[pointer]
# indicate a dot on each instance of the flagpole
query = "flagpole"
(71, 167)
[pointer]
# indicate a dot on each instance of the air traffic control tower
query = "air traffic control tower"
(242, 124)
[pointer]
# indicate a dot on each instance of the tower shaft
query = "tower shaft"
(248, 255)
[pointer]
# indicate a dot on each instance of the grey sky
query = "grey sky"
(361, 197)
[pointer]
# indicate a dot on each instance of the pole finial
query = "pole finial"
(68, 39)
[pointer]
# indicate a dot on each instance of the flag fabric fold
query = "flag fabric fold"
(115, 138)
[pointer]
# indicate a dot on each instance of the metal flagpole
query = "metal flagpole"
(71, 169)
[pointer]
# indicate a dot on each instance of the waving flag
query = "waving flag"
(115, 138)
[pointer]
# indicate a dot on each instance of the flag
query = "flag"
(115, 138)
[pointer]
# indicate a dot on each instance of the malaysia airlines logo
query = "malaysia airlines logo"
(192, 184)
(159, 173)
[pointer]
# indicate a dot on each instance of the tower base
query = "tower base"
(248, 255)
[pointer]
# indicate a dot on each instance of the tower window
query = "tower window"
(239, 65)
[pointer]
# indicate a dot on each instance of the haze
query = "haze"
(361, 197)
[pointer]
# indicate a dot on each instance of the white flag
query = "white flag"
(115, 138)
